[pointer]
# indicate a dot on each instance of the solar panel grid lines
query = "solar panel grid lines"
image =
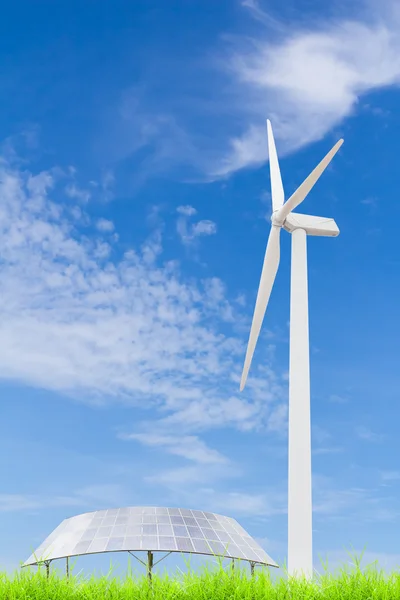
(151, 528)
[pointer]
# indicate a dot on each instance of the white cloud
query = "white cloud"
(132, 331)
(321, 441)
(337, 399)
(204, 227)
(337, 559)
(105, 225)
(349, 502)
(319, 434)
(193, 476)
(204, 414)
(327, 450)
(249, 149)
(390, 476)
(77, 193)
(86, 498)
(307, 76)
(235, 503)
(308, 79)
(188, 232)
(187, 446)
(364, 433)
(187, 211)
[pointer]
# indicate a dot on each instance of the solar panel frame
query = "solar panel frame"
(153, 529)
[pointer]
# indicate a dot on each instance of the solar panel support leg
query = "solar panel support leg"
(67, 567)
(252, 569)
(47, 564)
(149, 564)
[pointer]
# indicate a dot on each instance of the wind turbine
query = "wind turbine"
(300, 560)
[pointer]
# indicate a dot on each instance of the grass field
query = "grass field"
(370, 583)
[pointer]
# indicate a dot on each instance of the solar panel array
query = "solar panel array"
(150, 528)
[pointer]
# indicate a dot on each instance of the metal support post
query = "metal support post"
(149, 564)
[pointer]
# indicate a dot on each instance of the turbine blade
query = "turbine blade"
(302, 191)
(268, 274)
(277, 193)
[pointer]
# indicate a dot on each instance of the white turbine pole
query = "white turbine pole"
(300, 560)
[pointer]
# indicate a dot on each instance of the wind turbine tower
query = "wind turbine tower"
(300, 558)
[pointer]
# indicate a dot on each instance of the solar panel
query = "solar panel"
(150, 528)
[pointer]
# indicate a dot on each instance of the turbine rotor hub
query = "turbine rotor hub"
(276, 220)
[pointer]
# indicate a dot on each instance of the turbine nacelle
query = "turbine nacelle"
(317, 226)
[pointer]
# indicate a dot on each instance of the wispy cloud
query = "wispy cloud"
(105, 225)
(192, 475)
(338, 399)
(75, 322)
(388, 476)
(332, 500)
(337, 559)
(307, 77)
(187, 446)
(87, 498)
(269, 503)
(189, 232)
(366, 434)
(73, 191)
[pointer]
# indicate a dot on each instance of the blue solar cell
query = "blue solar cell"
(149, 542)
(133, 530)
(195, 532)
(132, 542)
(82, 547)
(210, 534)
(210, 516)
(115, 544)
(201, 546)
(118, 531)
(218, 547)
(177, 520)
(203, 522)
(167, 543)
(149, 519)
(149, 529)
(104, 532)
(149, 510)
(161, 511)
(165, 530)
(184, 544)
(180, 531)
(163, 519)
(88, 535)
(98, 545)
(224, 537)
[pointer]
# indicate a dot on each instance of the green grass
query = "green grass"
(370, 583)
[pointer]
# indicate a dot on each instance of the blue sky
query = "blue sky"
(134, 213)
